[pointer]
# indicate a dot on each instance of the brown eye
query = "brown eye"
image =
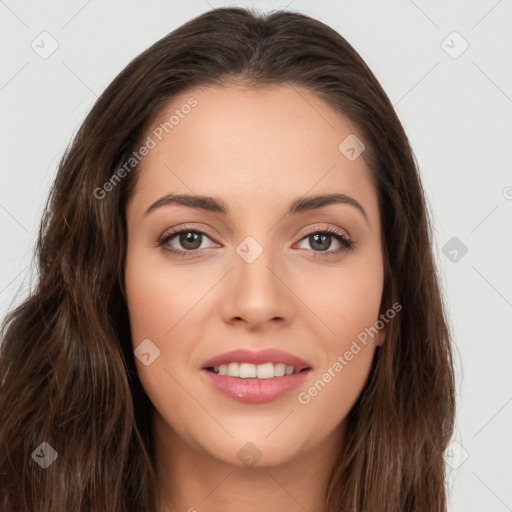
(189, 240)
(183, 241)
(322, 241)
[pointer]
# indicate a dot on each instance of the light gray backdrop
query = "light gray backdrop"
(446, 67)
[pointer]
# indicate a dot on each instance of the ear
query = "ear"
(380, 337)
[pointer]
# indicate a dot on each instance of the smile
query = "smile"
(260, 371)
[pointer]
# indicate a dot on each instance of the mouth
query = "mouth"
(253, 384)
(255, 376)
(253, 371)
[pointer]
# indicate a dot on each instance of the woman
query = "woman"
(237, 305)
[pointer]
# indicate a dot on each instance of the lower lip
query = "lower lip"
(254, 390)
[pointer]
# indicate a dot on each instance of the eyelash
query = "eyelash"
(346, 244)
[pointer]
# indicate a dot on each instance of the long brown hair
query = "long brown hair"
(67, 372)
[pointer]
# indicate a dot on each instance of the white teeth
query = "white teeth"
(232, 369)
(260, 371)
(279, 369)
(244, 371)
(265, 371)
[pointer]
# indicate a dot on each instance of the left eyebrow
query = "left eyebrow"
(215, 205)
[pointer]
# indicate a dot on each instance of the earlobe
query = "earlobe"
(380, 338)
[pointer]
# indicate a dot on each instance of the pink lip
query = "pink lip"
(268, 355)
(255, 390)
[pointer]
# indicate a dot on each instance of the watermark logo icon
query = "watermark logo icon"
(146, 352)
(249, 249)
(249, 454)
(351, 147)
(44, 455)
(455, 455)
(44, 45)
(454, 249)
(454, 45)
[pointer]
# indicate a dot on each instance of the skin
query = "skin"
(257, 150)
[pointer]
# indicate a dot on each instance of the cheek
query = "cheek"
(334, 390)
(345, 298)
(155, 305)
(347, 301)
(164, 307)
(157, 295)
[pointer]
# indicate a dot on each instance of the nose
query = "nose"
(257, 293)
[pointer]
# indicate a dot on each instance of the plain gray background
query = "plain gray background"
(455, 105)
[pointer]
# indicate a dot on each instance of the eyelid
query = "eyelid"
(330, 229)
(191, 227)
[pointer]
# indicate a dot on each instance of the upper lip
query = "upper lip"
(268, 355)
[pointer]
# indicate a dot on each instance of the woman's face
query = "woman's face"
(261, 277)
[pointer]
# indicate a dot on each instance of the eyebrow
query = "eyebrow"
(214, 205)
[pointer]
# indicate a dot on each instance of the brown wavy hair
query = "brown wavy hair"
(67, 371)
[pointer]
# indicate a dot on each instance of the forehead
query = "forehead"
(248, 144)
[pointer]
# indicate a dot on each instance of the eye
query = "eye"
(189, 241)
(320, 241)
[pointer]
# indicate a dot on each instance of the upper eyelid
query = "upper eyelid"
(179, 229)
(329, 229)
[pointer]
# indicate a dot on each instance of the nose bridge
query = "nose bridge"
(257, 292)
